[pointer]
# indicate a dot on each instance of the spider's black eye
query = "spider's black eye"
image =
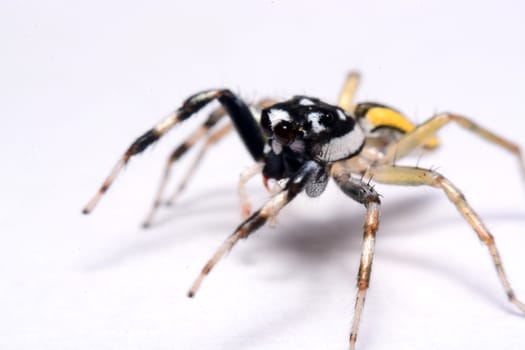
(327, 119)
(284, 132)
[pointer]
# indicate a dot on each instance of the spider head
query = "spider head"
(313, 128)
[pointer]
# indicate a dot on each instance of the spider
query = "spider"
(301, 143)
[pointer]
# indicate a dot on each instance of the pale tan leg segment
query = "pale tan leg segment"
(365, 194)
(365, 267)
(410, 176)
(180, 151)
(247, 175)
(294, 186)
(214, 138)
(428, 129)
(175, 155)
(347, 94)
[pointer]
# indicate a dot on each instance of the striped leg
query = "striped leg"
(294, 186)
(248, 173)
(366, 195)
(192, 140)
(178, 153)
(425, 131)
(214, 138)
(410, 176)
(239, 113)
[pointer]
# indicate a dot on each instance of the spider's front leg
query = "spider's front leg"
(365, 194)
(304, 176)
(238, 111)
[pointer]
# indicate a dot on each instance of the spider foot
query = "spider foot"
(520, 305)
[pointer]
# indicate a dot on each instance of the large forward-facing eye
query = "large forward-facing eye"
(284, 132)
(327, 119)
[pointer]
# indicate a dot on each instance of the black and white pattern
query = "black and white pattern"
(305, 128)
(304, 142)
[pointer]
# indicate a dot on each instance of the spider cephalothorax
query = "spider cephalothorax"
(309, 142)
(307, 129)
(314, 128)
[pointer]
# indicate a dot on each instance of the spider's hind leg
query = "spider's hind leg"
(411, 176)
(427, 130)
(247, 175)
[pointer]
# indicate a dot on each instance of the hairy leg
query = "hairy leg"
(410, 176)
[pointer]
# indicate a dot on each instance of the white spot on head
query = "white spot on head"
(278, 115)
(314, 118)
(306, 102)
(343, 146)
(267, 149)
(341, 114)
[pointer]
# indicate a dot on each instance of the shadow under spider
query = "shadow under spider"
(310, 244)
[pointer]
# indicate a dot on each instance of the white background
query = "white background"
(79, 81)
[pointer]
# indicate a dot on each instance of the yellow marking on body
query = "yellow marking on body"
(382, 116)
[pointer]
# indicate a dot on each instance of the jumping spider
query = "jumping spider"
(302, 143)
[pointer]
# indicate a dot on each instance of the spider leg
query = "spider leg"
(238, 111)
(212, 139)
(215, 137)
(411, 176)
(294, 186)
(180, 151)
(251, 171)
(347, 93)
(365, 194)
(425, 131)
(246, 175)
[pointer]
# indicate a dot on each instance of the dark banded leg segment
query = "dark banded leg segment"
(238, 111)
(212, 139)
(294, 186)
(409, 176)
(366, 195)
